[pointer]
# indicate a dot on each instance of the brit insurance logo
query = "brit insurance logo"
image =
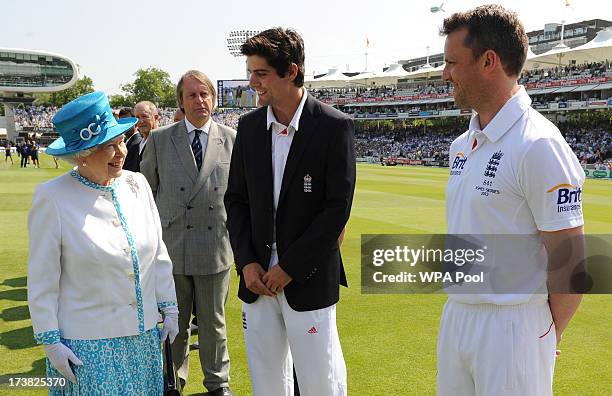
(567, 197)
(458, 164)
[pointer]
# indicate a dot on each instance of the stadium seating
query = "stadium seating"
(593, 145)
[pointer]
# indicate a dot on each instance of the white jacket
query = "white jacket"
(81, 278)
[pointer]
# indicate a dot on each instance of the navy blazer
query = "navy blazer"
(313, 208)
(133, 157)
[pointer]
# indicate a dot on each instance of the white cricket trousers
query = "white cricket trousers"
(501, 350)
(277, 337)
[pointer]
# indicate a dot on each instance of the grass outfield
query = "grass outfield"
(389, 341)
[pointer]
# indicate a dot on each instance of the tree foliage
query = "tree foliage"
(83, 85)
(42, 99)
(117, 101)
(151, 84)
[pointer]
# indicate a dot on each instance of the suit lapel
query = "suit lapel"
(183, 150)
(298, 145)
(213, 148)
(133, 140)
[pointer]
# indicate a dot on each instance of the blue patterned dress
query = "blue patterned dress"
(115, 366)
(130, 365)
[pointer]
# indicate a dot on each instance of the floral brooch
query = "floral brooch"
(133, 185)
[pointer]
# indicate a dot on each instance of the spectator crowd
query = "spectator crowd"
(412, 143)
(34, 116)
(443, 88)
(592, 144)
(573, 72)
(383, 92)
(40, 116)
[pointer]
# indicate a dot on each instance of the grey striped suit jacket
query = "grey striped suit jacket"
(190, 204)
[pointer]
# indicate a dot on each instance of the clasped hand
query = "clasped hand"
(265, 283)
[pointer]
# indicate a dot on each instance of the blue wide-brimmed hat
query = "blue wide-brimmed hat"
(86, 122)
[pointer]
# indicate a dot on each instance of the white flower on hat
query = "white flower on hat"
(87, 133)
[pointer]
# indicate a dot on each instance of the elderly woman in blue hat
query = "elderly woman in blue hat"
(98, 270)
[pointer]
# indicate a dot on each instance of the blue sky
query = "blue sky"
(111, 39)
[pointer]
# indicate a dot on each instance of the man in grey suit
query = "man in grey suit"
(187, 166)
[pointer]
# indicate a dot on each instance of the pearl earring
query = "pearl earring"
(84, 164)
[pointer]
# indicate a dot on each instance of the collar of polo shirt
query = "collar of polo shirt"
(510, 112)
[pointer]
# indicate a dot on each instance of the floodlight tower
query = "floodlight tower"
(435, 9)
(567, 4)
(427, 61)
(235, 39)
(561, 47)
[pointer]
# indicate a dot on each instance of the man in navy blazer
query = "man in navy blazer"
(148, 120)
(133, 157)
(132, 143)
(289, 196)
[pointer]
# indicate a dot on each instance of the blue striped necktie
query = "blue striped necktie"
(196, 147)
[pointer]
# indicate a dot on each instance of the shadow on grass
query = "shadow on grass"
(39, 369)
(15, 314)
(16, 282)
(18, 339)
(14, 295)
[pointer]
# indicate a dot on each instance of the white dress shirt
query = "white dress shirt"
(282, 137)
(142, 143)
(203, 136)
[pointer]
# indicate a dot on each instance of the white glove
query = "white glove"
(171, 327)
(60, 357)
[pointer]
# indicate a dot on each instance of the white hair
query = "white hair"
(76, 159)
(150, 105)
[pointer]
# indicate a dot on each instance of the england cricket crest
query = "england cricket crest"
(307, 183)
(493, 164)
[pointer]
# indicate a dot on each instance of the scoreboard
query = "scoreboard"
(233, 94)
